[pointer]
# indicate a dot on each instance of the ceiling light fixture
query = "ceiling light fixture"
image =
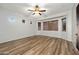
(37, 10)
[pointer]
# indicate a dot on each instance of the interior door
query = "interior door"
(77, 27)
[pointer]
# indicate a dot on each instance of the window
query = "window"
(63, 24)
(50, 25)
(39, 25)
(45, 25)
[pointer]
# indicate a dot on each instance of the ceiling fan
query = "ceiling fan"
(37, 10)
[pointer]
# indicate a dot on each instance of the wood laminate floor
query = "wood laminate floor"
(38, 45)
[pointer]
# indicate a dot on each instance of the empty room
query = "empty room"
(39, 29)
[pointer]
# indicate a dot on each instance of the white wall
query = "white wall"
(74, 25)
(14, 30)
(60, 34)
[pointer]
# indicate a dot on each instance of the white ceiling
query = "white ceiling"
(52, 8)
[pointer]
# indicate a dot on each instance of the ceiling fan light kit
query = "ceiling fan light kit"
(37, 10)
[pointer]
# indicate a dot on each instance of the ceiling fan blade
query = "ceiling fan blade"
(30, 10)
(33, 14)
(40, 14)
(42, 10)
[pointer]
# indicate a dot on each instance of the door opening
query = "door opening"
(77, 12)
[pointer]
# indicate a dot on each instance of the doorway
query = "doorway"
(77, 12)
